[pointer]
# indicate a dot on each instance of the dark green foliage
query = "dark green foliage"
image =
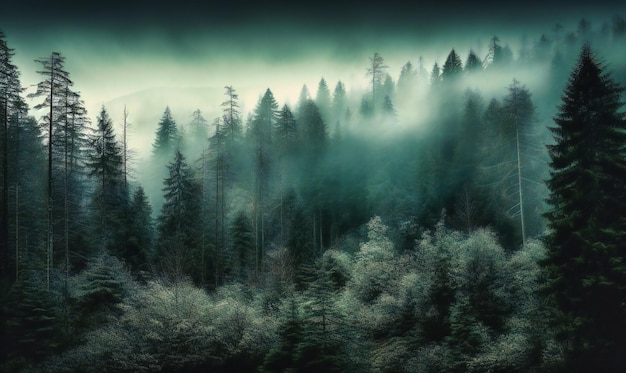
(283, 357)
(139, 233)
(178, 244)
(286, 132)
(585, 270)
(11, 107)
(110, 197)
(32, 331)
(98, 289)
(452, 68)
(167, 137)
(312, 128)
(473, 62)
(242, 244)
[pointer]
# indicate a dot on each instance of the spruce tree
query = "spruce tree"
(453, 67)
(166, 136)
(585, 269)
(105, 165)
(323, 100)
(179, 222)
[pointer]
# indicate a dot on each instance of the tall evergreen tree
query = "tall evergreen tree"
(263, 124)
(105, 165)
(322, 99)
(286, 130)
(11, 106)
(140, 232)
(53, 90)
(167, 137)
(218, 167)
(473, 62)
(585, 267)
(232, 114)
(435, 77)
(179, 229)
(452, 68)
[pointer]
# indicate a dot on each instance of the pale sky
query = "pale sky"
(117, 51)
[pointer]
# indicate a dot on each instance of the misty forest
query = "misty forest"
(424, 221)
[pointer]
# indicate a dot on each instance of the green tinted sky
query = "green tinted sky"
(117, 47)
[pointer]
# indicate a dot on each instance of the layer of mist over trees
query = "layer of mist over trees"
(420, 226)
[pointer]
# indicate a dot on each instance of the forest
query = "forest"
(427, 223)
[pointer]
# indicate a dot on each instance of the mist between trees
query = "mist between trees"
(455, 218)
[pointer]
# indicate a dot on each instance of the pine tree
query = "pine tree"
(435, 77)
(32, 332)
(243, 244)
(11, 108)
(286, 130)
(339, 104)
(178, 246)
(232, 115)
(585, 267)
(167, 136)
(263, 124)
(218, 168)
(312, 127)
(105, 165)
(53, 90)
(453, 67)
(322, 99)
(473, 63)
(140, 234)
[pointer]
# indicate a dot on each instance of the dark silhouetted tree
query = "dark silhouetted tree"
(105, 165)
(452, 68)
(52, 89)
(179, 228)
(585, 267)
(473, 63)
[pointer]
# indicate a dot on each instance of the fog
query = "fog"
(150, 63)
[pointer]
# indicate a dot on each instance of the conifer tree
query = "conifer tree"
(52, 89)
(263, 124)
(167, 136)
(453, 67)
(585, 267)
(11, 108)
(105, 165)
(473, 62)
(179, 222)
(322, 99)
(435, 77)
(232, 114)
(140, 234)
